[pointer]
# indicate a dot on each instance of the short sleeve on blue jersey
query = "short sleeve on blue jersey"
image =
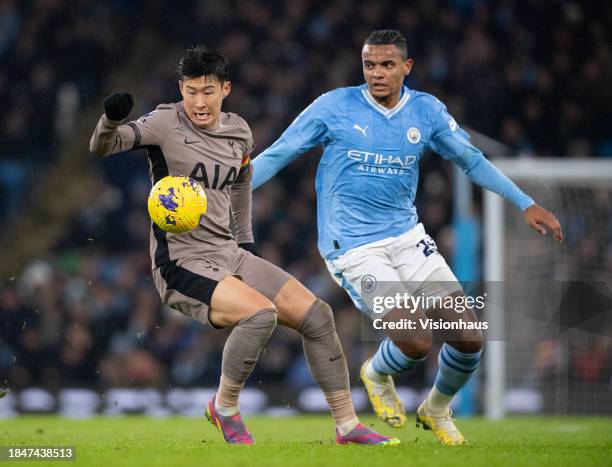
(449, 140)
(311, 127)
(452, 143)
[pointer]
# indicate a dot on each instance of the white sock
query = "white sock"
(438, 403)
(346, 427)
(371, 374)
(226, 411)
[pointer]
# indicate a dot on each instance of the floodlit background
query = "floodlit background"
(82, 329)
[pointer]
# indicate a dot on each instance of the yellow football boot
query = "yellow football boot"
(442, 427)
(384, 399)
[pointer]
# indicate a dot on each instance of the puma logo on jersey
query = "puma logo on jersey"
(363, 130)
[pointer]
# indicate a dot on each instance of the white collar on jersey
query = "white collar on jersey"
(383, 110)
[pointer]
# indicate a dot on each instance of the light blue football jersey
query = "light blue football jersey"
(368, 174)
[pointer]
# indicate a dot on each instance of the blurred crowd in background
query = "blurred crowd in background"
(534, 75)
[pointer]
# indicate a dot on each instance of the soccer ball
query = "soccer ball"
(176, 204)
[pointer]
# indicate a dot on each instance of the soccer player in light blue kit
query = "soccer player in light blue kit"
(374, 136)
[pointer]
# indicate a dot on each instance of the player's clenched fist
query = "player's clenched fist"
(537, 217)
(118, 105)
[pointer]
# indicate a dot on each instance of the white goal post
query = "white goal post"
(534, 176)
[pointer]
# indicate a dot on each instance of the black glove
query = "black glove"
(250, 247)
(117, 106)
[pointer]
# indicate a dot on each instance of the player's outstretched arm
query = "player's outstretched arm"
(539, 219)
(485, 174)
(451, 142)
(272, 160)
(482, 172)
(118, 105)
(110, 136)
(308, 130)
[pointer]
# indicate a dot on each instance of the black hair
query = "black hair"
(202, 61)
(389, 36)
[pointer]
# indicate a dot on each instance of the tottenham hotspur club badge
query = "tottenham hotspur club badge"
(234, 152)
(413, 134)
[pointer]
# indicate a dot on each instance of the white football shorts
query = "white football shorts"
(407, 263)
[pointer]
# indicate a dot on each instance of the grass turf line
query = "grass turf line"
(309, 441)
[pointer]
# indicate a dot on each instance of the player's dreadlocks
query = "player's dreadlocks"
(389, 36)
(202, 61)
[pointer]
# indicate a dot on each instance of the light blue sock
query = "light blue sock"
(455, 369)
(390, 360)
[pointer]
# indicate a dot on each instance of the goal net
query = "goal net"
(550, 342)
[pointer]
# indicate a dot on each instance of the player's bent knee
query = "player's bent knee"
(262, 302)
(263, 318)
(318, 321)
(233, 301)
(293, 302)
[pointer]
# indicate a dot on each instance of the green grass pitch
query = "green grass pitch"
(308, 441)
